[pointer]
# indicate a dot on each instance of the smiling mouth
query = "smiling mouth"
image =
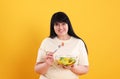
(60, 30)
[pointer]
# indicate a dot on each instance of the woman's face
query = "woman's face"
(61, 29)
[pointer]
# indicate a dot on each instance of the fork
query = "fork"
(59, 46)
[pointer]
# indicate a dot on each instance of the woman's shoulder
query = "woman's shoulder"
(47, 39)
(77, 39)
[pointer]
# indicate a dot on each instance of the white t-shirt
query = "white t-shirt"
(72, 47)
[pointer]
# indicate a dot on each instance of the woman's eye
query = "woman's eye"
(56, 24)
(63, 23)
(59, 24)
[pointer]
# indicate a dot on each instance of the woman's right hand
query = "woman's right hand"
(49, 58)
(42, 67)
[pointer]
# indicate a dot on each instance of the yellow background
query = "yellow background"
(25, 23)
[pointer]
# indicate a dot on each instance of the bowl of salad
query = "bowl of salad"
(66, 60)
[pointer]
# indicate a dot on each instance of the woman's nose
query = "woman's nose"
(60, 26)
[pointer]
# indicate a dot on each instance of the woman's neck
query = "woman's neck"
(64, 37)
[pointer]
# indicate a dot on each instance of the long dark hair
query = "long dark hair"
(62, 17)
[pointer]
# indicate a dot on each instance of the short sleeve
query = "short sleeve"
(42, 51)
(83, 56)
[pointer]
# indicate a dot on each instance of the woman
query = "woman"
(67, 43)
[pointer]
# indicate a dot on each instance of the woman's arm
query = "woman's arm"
(42, 67)
(79, 69)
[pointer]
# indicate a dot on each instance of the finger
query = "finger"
(67, 67)
(49, 56)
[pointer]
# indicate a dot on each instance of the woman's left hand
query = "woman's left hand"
(67, 67)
